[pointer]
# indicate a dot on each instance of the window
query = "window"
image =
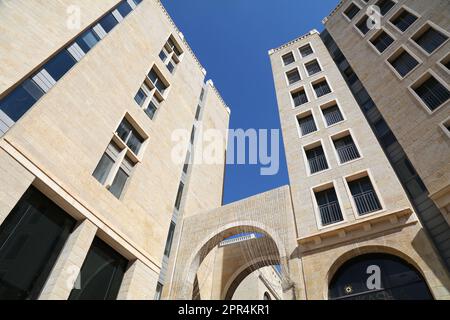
(307, 125)
(197, 112)
(329, 208)
(60, 64)
(157, 81)
(432, 93)
(202, 94)
(158, 292)
(362, 25)
(299, 97)
(410, 178)
(293, 76)
(364, 195)
(403, 20)
(193, 135)
(171, 54)
(446, 62)
(306, 51)
(101, 274)
(313, 67)
(288, 58)
(403, 62)
(382, 41)
(124, 8)
(108, 22)
(130, 136)
(316, 159)
(332, 115)
(430, 39)
(87, 40)
(351, 11)
(169, 239)
(147, 101)
(31, 239)
(346, 149)
(321, 88)
(385, 134)
(179, 196)
(385, 6)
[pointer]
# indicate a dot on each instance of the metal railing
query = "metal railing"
(307, 126)
(318, 163)
(333, 116)
(367, 202)
(348, 153)
(330, 213)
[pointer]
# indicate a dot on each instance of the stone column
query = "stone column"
(139, 283)
(61, 280)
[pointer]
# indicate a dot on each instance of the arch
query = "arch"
(267, 296)
(387, 256)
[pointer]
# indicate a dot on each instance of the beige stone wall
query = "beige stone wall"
(420, 133)
(254, 288)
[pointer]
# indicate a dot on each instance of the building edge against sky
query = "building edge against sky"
(88, 181)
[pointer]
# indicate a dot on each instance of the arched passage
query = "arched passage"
(378, 276)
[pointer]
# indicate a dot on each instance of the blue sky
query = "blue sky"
(231, 39)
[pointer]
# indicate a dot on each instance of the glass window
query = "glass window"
(293, 76)
(60, 64)
(179, 196)
(404, 63)
(313, 67)
(159, 289)
(362, 25)
(385, 6)
(332, 115)
(307, 125)
(21, 99)
(103, 168)
(329, 209)
(152, 108)
(101, 274)
(124, 8)
(157, 81)
(363, 193)
(322, 88)
(119, 183)
(306, 51)
(288, 58)
(351, 11)
(31, 238)
(87, 40)
(382, 41)
(169, 239)
(316, 159)
(140, 97)
(431, 39)
(108, 22)
(432, 93)
(404, 20)
(130, 136)
(299, 97)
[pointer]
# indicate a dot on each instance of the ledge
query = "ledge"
(312, 32)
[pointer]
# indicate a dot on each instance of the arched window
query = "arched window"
(378, 277)
(267, 296)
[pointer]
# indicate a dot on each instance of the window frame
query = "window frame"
(322, 187)
(305, 45)
(421, 30)
(340, 135)
(287, 77)
(398, 13)
(419, 81)
(348, 7)
(304, 114)
(310, 146)
(328, 105)
(309, 62)
(319, 80)
(377, 34)
(287, 53)
(396, 54)
(300, 88)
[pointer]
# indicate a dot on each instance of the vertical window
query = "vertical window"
(382, 41)
(432, 93)
(332, 115)
(346, 149)
(364, 195)
(31, 239)
(329, 208)
(108, 22)
(171, 54)
(313, 67)
(21, 99)
(385, 6)
(87, 40)
(159, 289)
(124, 8)
(351, 11)
(430, 39)
(410, 178)
(150, 95)
(130, 136)
(321, 88)
(307, 124)
(101, 274)
(306, 51)
(157, 81)
(293, 76)
(362, 25)
(299, 97)
(403, 62)
(404, 20)
(288, 58)
(179, 196)
(169, 239)
(60, 64)
(316, 159)
(202, 94)
(385, 134)
(197, 112)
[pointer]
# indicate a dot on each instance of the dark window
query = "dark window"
(101, 274)
(140, 97)
(124, 8)
(119, 183)
(21, 99)
(31, 238)
(157, 81)
(163, 55)
(103, 168)
(179, 196)
(202, 94)
(346, 149)
(404, 63)
(108, 22)
(130, 136)
(447, 63)
(316, 159)
(288, 58)
(350, 75)
(382, 41)
(366, 199)
(321, 88)
(137, 1)
(152, 108)
(410, 178)
(332, 115)
(306, 51)
(174, 47)
(197, 112)
(87, 40)
(431, 39)
(384, 133)
(293, 76)
(385, 6)
(313, 67)
(307, 125)
(351, 11)
(299, 97)
(404, 20)
(362, 25)
(432, 93)
(399, 280)
(159, 289)
(330, 211)
(169, 239)
(193, 135)
(60, 64)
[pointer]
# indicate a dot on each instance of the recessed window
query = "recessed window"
(403, 62)
(364, 195)
(159, 288)
(288, 58)
(313, 67)
(383, 133)
(328, 205)
(87, 40)
(101, 274)
(346, 149)
(157, 81)
(130, 136)
(321, 88)
(430, 39)
(382, 41)
(432, 93)
(385, 6)
(316, 159)
(147, 101)
(108, 22)
(293, 76)
(446, 62)
(403, 20)
(299, 97)
(169, 240)
(179, 196)
(362, 25)
(306, 50)
(124, 8)
(170, 54)
(332, 115)
(307, 124)
(351, 11)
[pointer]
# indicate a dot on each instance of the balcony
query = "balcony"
(367, 202)
(348, 153)
(330, 213)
